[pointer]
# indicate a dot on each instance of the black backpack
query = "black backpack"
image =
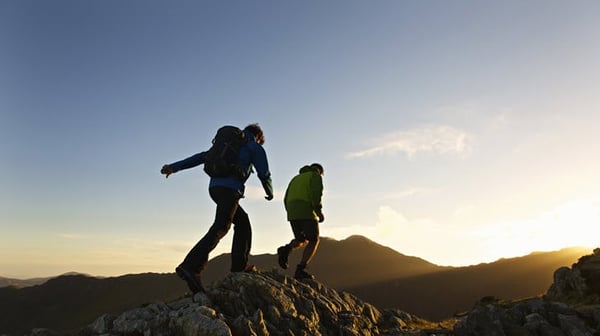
(222, 158)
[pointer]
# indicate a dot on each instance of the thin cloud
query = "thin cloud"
(410, 192)
(427, 139)
(72, 236)
(404, 234)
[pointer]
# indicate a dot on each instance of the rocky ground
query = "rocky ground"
(571, 307)
(263, 303)
(268, 303)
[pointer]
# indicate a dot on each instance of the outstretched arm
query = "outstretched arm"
(191, 162)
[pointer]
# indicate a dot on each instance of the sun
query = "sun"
(575, 223)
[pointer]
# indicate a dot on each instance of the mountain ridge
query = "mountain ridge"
(28, 282)
(427, 295)
(64, 303)
(271, 304)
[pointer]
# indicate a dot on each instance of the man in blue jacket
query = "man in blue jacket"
(226, 193)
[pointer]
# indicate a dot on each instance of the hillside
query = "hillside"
(69, 302)
(20, 283)
(270, 304)
(351, 262)
(442, 294)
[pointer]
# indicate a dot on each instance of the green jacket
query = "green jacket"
(303, 195)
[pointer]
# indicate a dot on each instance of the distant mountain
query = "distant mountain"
(21, 283)
(68, 302)
(441, 294)
(351, 262)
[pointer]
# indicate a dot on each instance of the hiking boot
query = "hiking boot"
(302, 274)
(193, 280)
(283, 253)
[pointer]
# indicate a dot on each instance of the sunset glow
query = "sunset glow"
(458, 132)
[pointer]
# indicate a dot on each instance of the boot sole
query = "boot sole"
(191, 281)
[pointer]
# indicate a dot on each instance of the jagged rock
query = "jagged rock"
(102, 324)
(564, 310)
(536, 316)
(580, 283)
(183, 317)
(567, 283)
(43, 332)
(260, 304)
(302, 307)
(485, 319)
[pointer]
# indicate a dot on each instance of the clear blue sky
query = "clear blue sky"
(457, 131)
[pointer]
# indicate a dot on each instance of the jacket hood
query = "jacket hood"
(306, 169)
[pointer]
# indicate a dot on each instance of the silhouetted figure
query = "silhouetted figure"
(226, 193)
(304, 212)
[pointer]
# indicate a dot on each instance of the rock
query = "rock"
(567, 284)
(484, 319)
(260, 304)
(572, 325)
(544, 316)
(43, 332)
(102, 324)
(580, 283)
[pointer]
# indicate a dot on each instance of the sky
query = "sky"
(460, 132)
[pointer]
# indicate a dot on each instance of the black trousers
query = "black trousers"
(305, 229)
(228, 211)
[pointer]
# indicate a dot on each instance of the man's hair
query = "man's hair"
(318, 167)
(257, 131)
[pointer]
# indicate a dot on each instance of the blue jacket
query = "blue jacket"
(251, 155)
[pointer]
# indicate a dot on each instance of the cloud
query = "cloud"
(573, 223)
(427, 139)
(394, 229)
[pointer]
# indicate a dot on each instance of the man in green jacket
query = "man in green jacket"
(303, 206)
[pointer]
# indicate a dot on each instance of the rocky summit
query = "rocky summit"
(263, 303)
(270, 303)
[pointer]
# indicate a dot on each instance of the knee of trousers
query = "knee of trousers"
(219, 231)
(241, 220)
